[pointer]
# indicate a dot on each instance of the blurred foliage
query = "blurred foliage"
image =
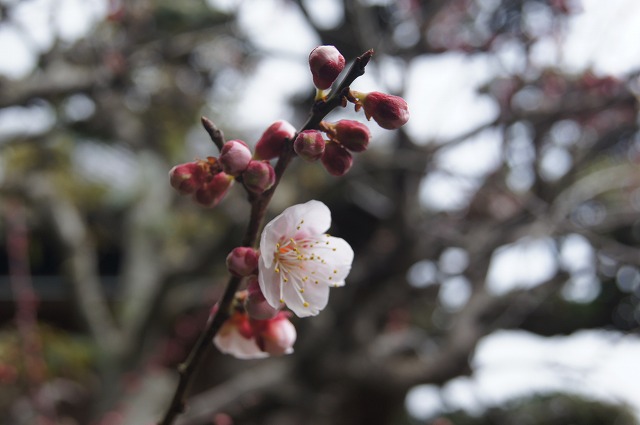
(57, 354)
(550, 409)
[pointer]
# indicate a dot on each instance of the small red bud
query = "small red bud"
(390, 112)
(326, 63)
(309, 145)
(212, 192)
(187, 178)
(259, 176)
(353, 135)
(272, 141)
(256, 304)
(242, 261)
(336, 159)
(234, 157)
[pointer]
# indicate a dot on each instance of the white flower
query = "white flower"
(299, 262)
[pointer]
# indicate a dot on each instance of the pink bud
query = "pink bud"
(234, 157)
(259, 176)
(353, 135)
(326, 64)
(275, 336)
(187, 178)
(390, 112)
(256, 304)
(336, 159)
(272, 141)
(309, 145)
(242, 261)
(212, 192)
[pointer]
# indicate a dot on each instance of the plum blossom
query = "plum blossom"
(299, 261)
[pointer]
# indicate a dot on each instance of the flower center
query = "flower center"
(298, 262)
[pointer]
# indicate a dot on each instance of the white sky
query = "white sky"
(441, 92)
(597, 364)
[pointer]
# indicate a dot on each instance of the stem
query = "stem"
(258, 210)
(217, 136)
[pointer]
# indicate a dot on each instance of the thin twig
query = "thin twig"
(217, 136)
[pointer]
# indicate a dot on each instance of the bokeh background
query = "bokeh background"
(497, 234)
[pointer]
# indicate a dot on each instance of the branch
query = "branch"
(257, 379)
(483, 314)
(217, 136)
(142, 272)
(80, 251)
(258, 210)
(593, 184)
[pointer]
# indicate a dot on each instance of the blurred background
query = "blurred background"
(496, 277)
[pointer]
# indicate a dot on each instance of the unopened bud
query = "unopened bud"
(353, 135)
(242, 261)
(187, 178)
(336, 159)
(234, 157)
(309, 145)
(259, 176)
(390, 112)
(256, 304)
(326, 63)
(212, 192)
(276, 336)
(272, 141)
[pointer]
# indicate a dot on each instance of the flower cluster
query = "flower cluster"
(204, 179)
(208, 180)
(297, 264)
(390, 112)
(346, 136)
(297, 261)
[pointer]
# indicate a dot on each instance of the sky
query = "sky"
(602, 37)
(595, 364)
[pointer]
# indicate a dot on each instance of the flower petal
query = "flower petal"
(275, 230)
(229, 341)
(269, 282)
(313, 217)
(315, 297)
(336, 256)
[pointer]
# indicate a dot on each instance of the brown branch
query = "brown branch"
(483, 314)
(254, 380)
(217, 136)
(59, 79)
(142, 273)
